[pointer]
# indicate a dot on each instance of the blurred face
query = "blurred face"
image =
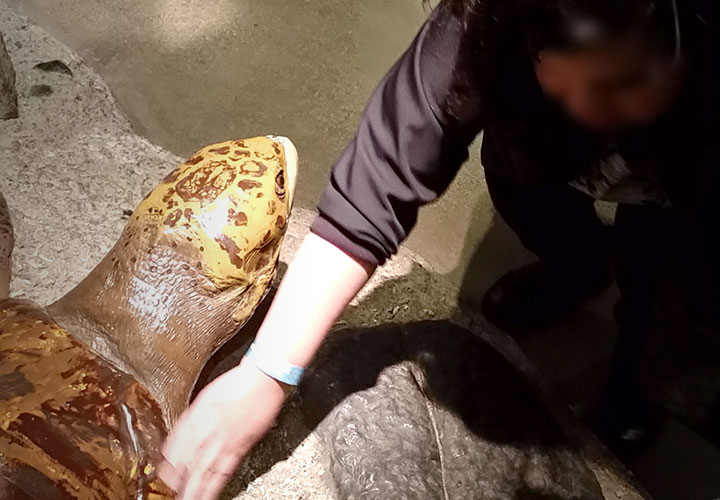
(619, 85)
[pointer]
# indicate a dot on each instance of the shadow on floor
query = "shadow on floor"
(410, 298)
(418, 296)
(442, 364)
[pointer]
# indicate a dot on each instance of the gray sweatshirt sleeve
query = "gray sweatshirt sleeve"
(405, 153)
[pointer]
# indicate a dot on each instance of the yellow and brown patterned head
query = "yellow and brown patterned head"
(230, 203)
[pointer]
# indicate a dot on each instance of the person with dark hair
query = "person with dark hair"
(578, 100)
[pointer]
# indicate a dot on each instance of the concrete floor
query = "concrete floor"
(191, 72)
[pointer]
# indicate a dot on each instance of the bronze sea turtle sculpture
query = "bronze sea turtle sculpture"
(90, 384)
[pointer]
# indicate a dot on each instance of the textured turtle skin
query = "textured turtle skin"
(90, 385)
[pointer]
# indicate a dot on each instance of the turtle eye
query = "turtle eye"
(280, 185)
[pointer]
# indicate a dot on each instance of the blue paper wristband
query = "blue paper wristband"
(271, 366)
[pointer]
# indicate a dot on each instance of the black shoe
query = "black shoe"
(630, 430)
(531, 296)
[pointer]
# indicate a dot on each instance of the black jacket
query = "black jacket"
(408, 147)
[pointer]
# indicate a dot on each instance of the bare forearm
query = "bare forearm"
(319, 284)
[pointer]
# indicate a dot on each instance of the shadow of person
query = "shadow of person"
(406, 407)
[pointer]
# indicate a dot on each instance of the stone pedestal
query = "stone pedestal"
(8, 94)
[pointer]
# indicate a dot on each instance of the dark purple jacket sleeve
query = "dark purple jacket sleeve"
(405, 153)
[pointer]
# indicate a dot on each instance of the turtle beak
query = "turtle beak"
(291, 165)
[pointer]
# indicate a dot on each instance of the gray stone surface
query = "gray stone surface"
(8, 94)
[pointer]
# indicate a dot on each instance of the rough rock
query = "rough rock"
(8, 94)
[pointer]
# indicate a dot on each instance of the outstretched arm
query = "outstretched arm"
(233, 412)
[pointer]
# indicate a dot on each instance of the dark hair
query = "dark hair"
(575, 24)
(494, 29)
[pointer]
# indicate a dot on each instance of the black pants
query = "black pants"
(559, 225)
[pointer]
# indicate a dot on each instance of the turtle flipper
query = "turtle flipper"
(7, 241)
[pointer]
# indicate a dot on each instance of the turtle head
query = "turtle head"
(226, 208)
(195, 260)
